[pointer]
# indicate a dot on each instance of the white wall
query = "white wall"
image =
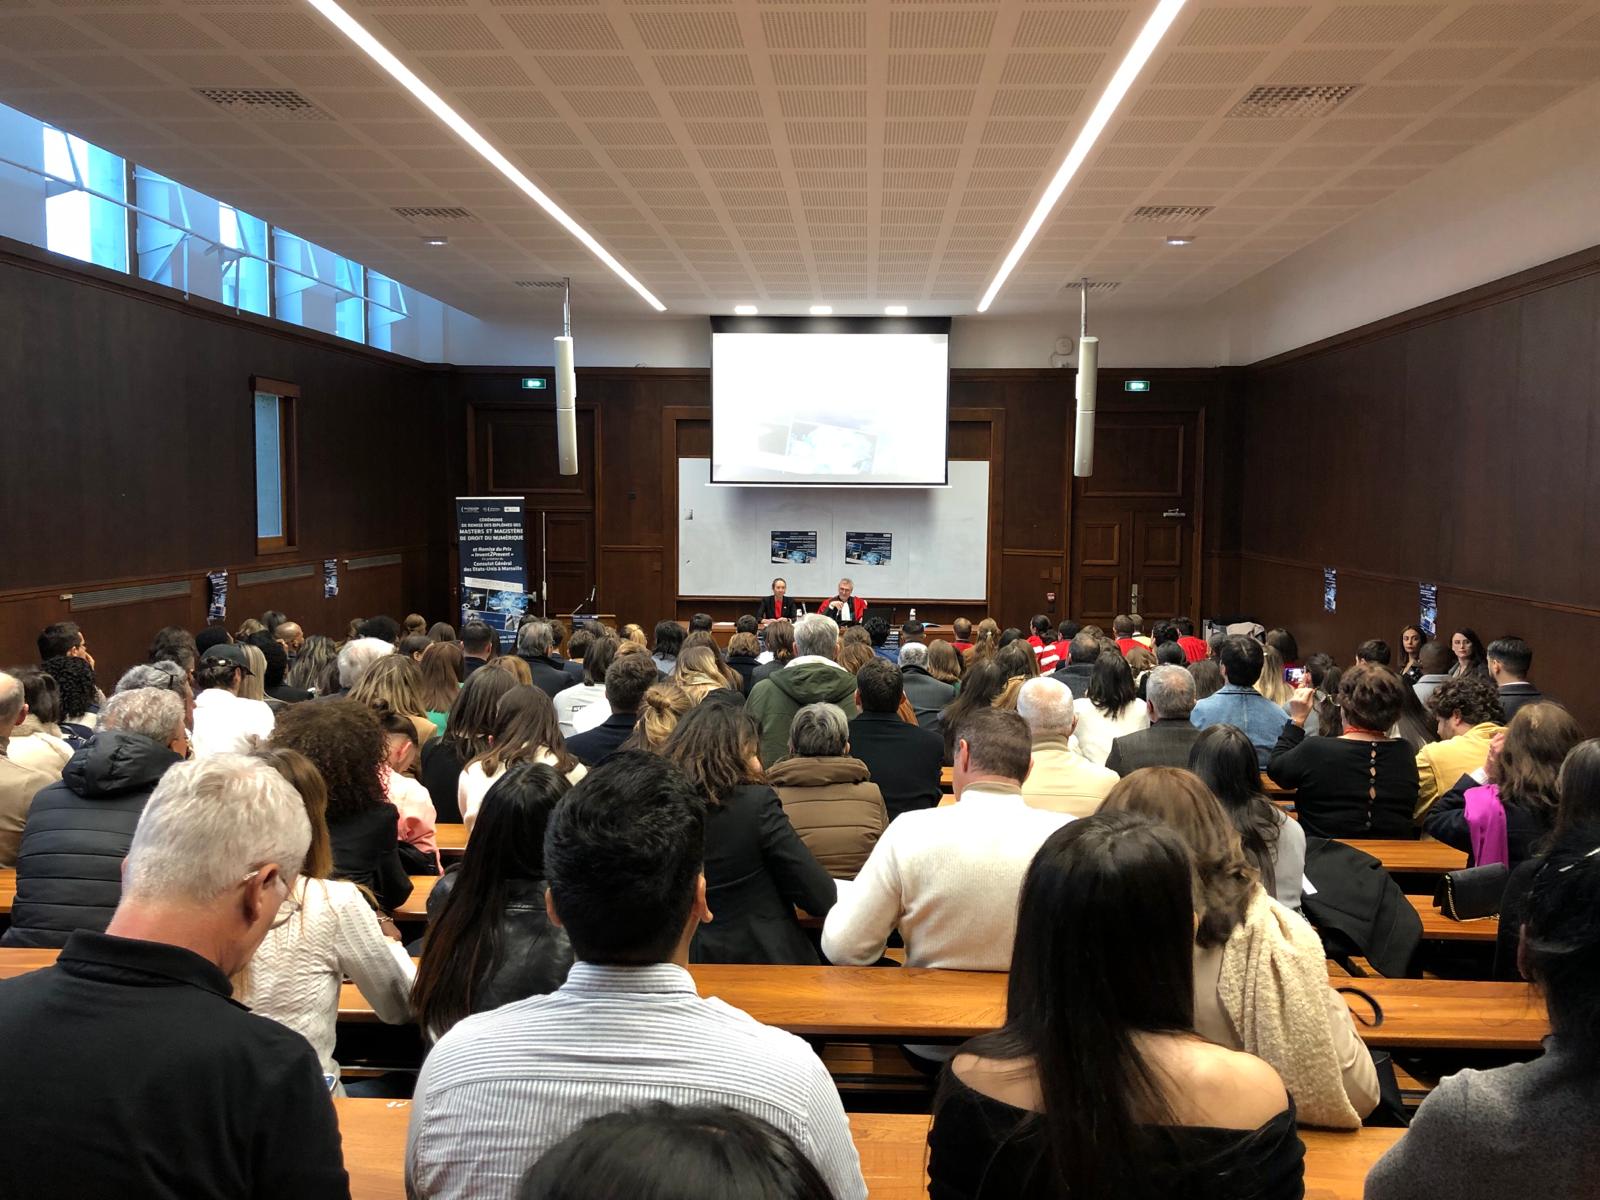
(1524, 198)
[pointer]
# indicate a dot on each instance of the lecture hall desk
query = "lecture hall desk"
(892, 1148)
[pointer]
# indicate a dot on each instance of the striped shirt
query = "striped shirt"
(504, 1086)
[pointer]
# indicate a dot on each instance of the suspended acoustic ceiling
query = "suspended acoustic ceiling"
(849, 152)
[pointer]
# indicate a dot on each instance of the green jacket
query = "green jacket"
(774, 701)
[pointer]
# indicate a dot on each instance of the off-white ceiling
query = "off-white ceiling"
(785, 152)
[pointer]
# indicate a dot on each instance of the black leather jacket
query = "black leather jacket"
(534, 956)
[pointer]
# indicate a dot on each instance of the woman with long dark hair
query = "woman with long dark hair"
(1097, 1085)
(525, 730)
(1225, 759)
(983, 684)
(1471, 659)
(441, 673)
(1110, 709)
(1412, 640)
(489, 939)
(466, 736)
(757, 869)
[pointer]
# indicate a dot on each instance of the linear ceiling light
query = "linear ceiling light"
(1116, 91)
(375, 50)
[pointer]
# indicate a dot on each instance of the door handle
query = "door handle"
(1174, 512)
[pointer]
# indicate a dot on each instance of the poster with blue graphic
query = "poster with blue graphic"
(868, 549)
(1428, 595)
(494, 563)
(1330, 589)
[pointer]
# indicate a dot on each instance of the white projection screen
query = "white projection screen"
(827, 402)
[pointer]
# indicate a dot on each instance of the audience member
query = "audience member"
(1260, 975)
(1274, 844)
(1170, 654)
(252, 682)
(744, 656)
(944, 664)
(1194, 647)
(144, 1077)
(633, 633)
(525, 731)
(466, 735)
(927, 694)
(1272, 683)
(826, 793)
(490, 940)
(1470, 656)
(513, 666)
(224, 721)
(164, 675)
(271, 619)
(80, 698)
(668, 638)
(757, 868)
(1043, 640)
(902, 760)
(441, 631)
(78, 830)
(1362, 783)
(326, 932)
(811, 677)
(395, 681)
(439, 681)
(961, 628)
(698, 672)
(290, 636)
(1082, 652)
(19, 783)
(658, 1152)
(274, 678)
(624, 853)
(1502, 816)
(1237, 703)
(311, 664)
(173, 644)
(1109, 709)
(1412, 640)
(1282, 641)
(628, 680)
(598, 656)
(1207, 676)
(64, 639)
(1107, 903)
(1509, 660)
(478, 646)
(1528, 1128)
(415, 624)
(1374, 650)
(947, 878)
(1059, 778)
(779, 637)
(382, 627)
(1468, 713)
(416, 819)
(344, 742)
(984, 683)
(355, 656)
(412, 645)
(535, 643)
(877, 629)
(1435, 661)
(1169, 699)
(36, 740)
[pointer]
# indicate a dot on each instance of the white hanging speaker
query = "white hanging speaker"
(566, 410)
(1083, 439)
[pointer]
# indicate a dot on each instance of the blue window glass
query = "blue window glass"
(350, 309)
(93, 228)
(269, 467)
(245, 282)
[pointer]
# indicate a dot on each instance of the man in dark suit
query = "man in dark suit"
(1169, 691)
(478, 643)
(778, 606)
(628, 678)
(1081, 653)
(928, 695)
(535, 640)
(1510, 659)
(904, 759)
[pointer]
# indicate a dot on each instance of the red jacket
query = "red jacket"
(1048, 654)
(858, 608)
(1195, 648)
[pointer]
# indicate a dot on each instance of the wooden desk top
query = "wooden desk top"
(416, 906)
(1425, 856)
(892, 1148)
(8, 889)
(1436, 927)
(450, 839)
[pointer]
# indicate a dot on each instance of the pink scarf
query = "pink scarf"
(1486, 823)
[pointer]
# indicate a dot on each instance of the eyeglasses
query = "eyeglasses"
(286, 909)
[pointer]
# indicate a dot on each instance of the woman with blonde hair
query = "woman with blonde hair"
(439, 676)
(525, 730)
(660, 711)
(702, 638)
(248, 627)
(944, 664)
(1272, 684)
(1260, 974)
(326, 931)
(510, 664)
(396, 681)
(253, 685)
(634, 633)
(697, 673)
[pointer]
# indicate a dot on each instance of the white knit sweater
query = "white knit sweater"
(295, 976)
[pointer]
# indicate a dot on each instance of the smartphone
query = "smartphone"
(1294, 676)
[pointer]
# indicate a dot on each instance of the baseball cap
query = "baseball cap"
(228, 654)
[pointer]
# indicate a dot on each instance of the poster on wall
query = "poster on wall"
(1330, 589)
(330, 578)
(217, 596)
(494, 563)
(794, 545)
(868, 549)
(1429, 596)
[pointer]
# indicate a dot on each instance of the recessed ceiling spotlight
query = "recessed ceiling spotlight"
(1181, 239)
(435, 241)
(894, 310)
(744, 310)
(822, 310)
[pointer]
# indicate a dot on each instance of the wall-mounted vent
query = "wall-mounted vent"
(538, 283)
(138, 594)
(374, 560)
(1095, 285)
(1292, 100)
(264, 104)
(275, 575)
(1170, 214)
(424, 214)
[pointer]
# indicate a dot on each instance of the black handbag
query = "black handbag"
(1473, 893)
(1391, 1112)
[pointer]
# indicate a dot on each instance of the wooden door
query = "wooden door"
(1134, 520)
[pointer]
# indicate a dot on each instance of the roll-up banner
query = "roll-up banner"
(494, 563)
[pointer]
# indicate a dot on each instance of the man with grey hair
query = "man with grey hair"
(19, 784)
(811, 677)
(535, 641)
(1062, 780)
(69, 865)
(207, 1098)
(164, 675)
(928, 695)
(1169, 691)
(355, 657)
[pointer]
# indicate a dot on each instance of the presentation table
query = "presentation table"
(722, 631)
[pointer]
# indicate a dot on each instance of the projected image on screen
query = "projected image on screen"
(829, 408)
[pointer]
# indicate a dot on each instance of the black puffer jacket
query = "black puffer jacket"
(534, 956)
(69, 867)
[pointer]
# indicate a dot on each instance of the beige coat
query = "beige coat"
(40, 746)
(834, 808)
(18, 784)
(1062, 780)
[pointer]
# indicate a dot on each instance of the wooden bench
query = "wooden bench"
(415, 909)
(1403, 856)
(8, 890)
(1436, 927)
(892, 1146)
(451, 840)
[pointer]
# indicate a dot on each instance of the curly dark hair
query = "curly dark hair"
(344, 741)
(1471, 698)
(75, 678)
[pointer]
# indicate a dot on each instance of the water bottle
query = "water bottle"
(913, 614)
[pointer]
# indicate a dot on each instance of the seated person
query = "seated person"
(19, 783)
(1169, 696)
(1043, 640)
(1082, 651)
(1360, 784)
(628, 678)
(1060, 779)
(902, 760)
(777, 606)
(1510, 659)
(1468, 711)
(1109, 903)
(928, 695)
(144, 1077)
(1273, 842)
(878, 633)
(827, 794)
(1238, 703)
(225, 722)
(845, 607)
(598, 656)
(623, 854)
(1110, 708)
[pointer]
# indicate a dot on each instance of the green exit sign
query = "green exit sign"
(535, 384)
(1132, 385)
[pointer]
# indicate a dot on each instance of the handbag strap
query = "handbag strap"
(1377, 1009)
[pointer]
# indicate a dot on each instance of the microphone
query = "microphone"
(566, 412)
(589, 599)
(1083, 440)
